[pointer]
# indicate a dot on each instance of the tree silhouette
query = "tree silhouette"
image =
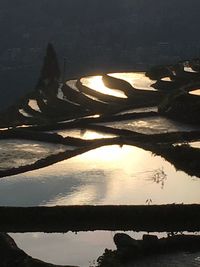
(50, 72)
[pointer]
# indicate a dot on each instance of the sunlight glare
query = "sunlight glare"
(137, 79)
(189, 69)
(195, 92)
(33, 104)
(96, 83)
(90, 135)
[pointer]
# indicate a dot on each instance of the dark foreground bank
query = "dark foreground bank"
(155, 218)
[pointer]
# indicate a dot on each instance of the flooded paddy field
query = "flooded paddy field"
(84, 248)
(112, 148)
(110, 175)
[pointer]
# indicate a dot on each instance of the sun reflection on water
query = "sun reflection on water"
(151, 125)
(195, 92)
(136, 79)
(84, 134)
(33, 104)
(110, 175)
(90, 135)
(96, 83)
(195, 144)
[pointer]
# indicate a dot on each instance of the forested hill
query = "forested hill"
(93, 36)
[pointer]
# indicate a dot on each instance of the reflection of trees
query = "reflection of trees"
(183, 157)
(158, 176)
(145, 251)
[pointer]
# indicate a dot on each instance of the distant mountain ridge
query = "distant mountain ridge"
(93, 36)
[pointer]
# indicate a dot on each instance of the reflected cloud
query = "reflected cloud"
(109, 175)
(81, 249)
(85, 195)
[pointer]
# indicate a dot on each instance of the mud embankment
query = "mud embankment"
(151, 218)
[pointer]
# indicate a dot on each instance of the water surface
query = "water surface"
(15, 152)
(107, 175)
(195, 92)
(33, 104)
(24, 113)
(83, 134)
(84, 248)
(151, 125)
(137, 79)
(96, 83)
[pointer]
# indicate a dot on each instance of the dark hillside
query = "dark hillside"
(93, 35)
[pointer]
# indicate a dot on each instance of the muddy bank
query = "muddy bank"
(130, 251)
(136, 98)
(159, 72)
(183, 157)
(181, 106)
(83, 122)
(116, 83)
(83, 100)
(42, 137)
(31, 135)
(167, 86)
(175, 72)
(155, 218)
(44, 162)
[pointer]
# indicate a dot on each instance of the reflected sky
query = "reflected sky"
(84, 134)
(96, 83)
(137, 79)
(139, 110)
(72, 84)
(15, 153)
(107, 175)
(195, 144)
(24, 113)
(151, 125)
(189, 69)
(80, 249)
(33, 104)
(84, 248)
(166, 79)
(195, 92)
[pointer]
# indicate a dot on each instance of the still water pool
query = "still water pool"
(84, 248)
(107, 175)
